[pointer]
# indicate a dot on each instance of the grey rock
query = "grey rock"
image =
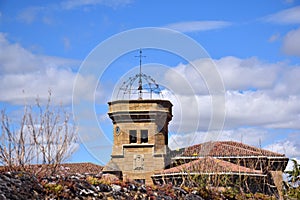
(116, 188)
(142, 189)
(2, 197)
(103, 188)
(193, 197)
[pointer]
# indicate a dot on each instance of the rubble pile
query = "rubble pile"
(18, 185)
(22, 185)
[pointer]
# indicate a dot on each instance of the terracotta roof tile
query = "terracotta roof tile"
(210, 165)
(82, 168)
(69, 168)
(226, 148)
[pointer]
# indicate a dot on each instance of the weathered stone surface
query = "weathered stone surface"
(22, 185)
(19, 185)
(137, 159)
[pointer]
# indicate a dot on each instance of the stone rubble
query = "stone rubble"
(20, 185)
(24, 186)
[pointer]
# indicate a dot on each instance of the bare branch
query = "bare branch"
(45, 134)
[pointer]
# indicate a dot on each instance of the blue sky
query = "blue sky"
(254, 44)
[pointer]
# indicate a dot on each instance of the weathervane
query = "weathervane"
(140, 88)
(139, 84)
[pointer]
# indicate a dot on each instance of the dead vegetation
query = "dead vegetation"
(45, 134)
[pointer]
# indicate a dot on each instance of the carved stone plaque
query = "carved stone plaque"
(138, 162)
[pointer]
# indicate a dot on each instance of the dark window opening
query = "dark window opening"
(144, 136)
(140, 181)
(166, 139)
(132, 136)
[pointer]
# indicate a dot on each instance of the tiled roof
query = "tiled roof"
(226, 149)
(70, 168)
(81, 168)
(111, 166)
(210, 165)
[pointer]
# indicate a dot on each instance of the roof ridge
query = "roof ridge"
(238, 147)
(257, 149)
(218, 165)
(218, 148)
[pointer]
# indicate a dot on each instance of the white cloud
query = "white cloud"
(257, 94)
(260, 98)
(286, 85)
(259, 109)
(288, 16)
(17, 59)
(250, 136)
(242, 109)
(21, 70)
(195, 26)
(287, 147)
(67, 43)
(72, 4)
(274, 37)
(30, 14)
(59, 81)
(289, 1)
(180, 78)
(43, 14)
(291, 42)
(239, 74)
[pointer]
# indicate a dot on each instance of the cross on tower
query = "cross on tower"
(140, 88)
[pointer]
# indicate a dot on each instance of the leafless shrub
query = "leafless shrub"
(45, 135)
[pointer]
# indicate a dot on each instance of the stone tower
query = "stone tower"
(140, 129)
(140, 132)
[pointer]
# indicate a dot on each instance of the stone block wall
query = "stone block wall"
(139, 160)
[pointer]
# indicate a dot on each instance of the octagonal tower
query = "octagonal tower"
(140, 132)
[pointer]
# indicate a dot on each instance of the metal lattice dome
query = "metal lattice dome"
(139, 86)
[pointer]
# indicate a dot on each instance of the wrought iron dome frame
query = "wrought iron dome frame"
(129, 89)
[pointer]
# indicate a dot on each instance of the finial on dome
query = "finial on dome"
(139, 84)
(140, 88)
